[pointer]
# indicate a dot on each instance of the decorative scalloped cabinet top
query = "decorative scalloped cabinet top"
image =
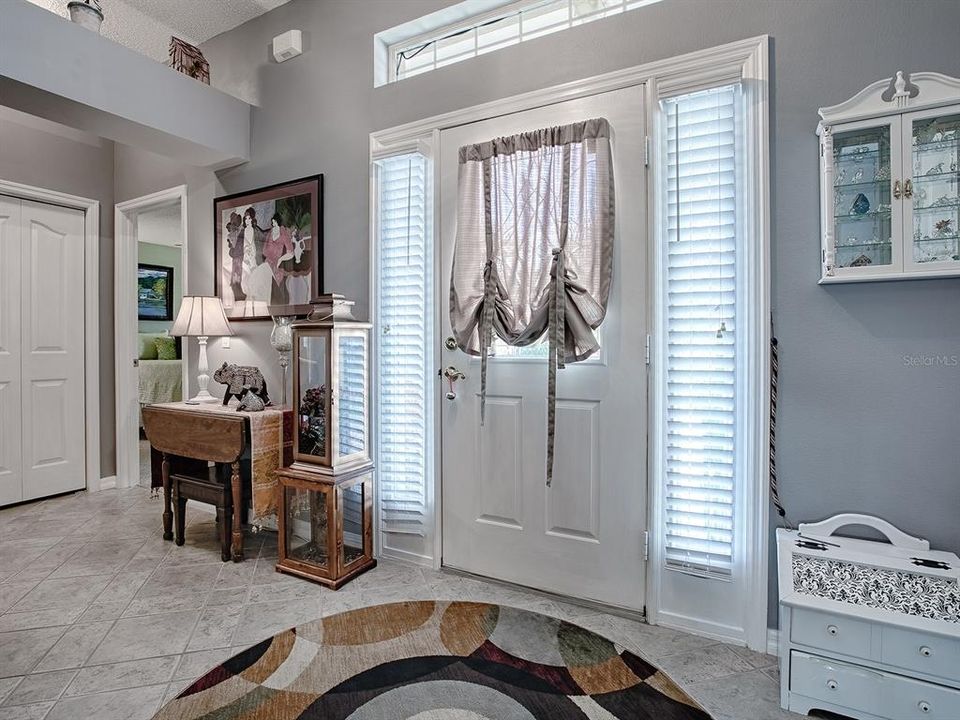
(905, 92)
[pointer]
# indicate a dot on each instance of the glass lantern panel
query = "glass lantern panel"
(352, 504)
(936, 189)
(312, 401)
(305, 525)
(861, 197)
(352, 395)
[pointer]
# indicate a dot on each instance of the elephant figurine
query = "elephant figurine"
(240, 381)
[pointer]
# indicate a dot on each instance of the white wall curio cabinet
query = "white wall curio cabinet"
(890, 181)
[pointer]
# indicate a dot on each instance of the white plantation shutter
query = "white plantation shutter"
(403, 336)
(700, 325)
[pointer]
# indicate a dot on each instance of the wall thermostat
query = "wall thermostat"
(288, 45)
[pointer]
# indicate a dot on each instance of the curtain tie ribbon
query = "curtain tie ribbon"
(557, 333)
(486, 330)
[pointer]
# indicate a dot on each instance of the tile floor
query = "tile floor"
(100, 618)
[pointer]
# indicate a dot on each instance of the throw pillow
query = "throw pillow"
(148, 347)
(166, 348)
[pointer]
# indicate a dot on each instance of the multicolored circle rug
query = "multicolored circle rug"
(434, 661)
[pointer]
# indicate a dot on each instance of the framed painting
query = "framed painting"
(268, 247)
(154, 292)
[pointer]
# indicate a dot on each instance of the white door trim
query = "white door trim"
(91, 311)
(747, 59)
(125, 321)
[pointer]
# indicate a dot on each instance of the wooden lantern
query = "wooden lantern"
(326, 495)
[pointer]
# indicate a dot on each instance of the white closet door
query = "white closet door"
(11, 481)
(52, 349)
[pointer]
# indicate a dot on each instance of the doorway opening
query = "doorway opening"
(151, 279)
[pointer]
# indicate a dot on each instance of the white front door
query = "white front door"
(43, 254)
(583, 536)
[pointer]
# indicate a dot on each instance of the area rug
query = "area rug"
(434, 661)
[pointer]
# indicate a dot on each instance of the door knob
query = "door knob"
(452, 375)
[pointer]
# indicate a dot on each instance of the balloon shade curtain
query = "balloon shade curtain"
(534, 246)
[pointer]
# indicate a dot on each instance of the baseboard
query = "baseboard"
(407, 557)
(773, 642)
(107, 483)
(705, 628)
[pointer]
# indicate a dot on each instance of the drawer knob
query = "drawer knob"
(925, 651)
(924, 706)
(832, 629)
(832, 684)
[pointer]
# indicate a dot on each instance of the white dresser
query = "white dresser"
(869, 630)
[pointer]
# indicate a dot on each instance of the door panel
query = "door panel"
(11, 482)
(583, 536)
(499, 476)
(52, 368)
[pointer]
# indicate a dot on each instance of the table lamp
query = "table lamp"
(201, 316)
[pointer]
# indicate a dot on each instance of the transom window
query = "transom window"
(506, 25)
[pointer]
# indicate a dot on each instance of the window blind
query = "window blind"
(700, 325)
(403, 333)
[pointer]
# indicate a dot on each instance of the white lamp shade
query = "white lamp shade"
(201, 316)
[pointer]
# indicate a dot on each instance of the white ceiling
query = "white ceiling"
(146, 25)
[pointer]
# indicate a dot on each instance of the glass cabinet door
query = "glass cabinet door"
(864, 216)
(351, 397)
(306, 525)
(933, 194)
(312, 406)
(353, 499)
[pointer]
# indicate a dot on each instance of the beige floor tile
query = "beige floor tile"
(23, 649)
(144, 637)
(216, 627)
(63, 592)
(75, 646)
(36, 711)
(714, 661)
(195, 664)
(40, 686)
(261, 620)
(39, 618)
(745, 696)
(119, 676)
(133, 704)
(168, 581)
(7, 686)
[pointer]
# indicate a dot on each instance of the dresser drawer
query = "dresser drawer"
(906, 699)
(836, 683)
(831, 632)
(912, 650)
(870, 691)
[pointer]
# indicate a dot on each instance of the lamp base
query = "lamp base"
(203, 397)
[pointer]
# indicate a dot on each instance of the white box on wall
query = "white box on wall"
(288, 45)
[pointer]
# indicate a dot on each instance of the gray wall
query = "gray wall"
(860, 427)
(43, 154)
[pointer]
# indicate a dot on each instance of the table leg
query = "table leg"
(167, 512)
(236, 547)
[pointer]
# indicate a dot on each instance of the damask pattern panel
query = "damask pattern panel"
(927, 596)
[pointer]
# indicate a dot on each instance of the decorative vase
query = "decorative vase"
(86, 13)
(281, 339)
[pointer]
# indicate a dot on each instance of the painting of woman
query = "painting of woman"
(268, 248)
(235, 251)
(278, 248)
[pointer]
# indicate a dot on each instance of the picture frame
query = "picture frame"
(268, 248)
(154, 292)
